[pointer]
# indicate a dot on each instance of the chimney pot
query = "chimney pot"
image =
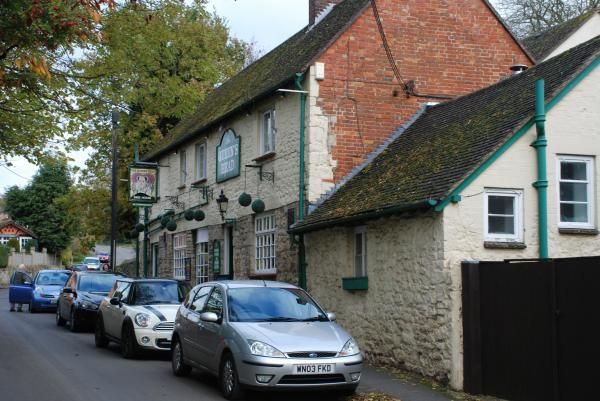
(518, 68)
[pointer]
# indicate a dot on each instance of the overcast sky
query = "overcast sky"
(266, 23)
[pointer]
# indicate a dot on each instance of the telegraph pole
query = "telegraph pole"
(114, 205)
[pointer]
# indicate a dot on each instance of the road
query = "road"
(40, 361)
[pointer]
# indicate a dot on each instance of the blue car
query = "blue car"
(41, 293)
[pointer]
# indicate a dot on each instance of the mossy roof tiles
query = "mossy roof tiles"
(274, 70)
(447, 143)
(542, 44)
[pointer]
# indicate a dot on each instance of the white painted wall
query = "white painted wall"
(572, 127)
(590, 29)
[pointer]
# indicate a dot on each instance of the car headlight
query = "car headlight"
(350, 348)
(262, 349)
(88, 305)
(141, 319)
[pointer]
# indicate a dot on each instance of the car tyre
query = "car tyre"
(228, 379)
(31, 308)
(180, 368)
(99, 337)
(59, 320)
(129, 345)
(73, 323)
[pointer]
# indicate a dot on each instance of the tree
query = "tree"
(526, 17)
(35, 38)
(37, 206)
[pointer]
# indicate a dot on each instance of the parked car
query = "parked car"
(92, 262)
(78, 301)
(41, 292)
(263, 335)
(139, 314)
(79, 267)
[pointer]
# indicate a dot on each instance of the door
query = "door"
(209, 334)
(191, 321)
(20, 288)
(113, 314)
(65, 299)
(227, 272)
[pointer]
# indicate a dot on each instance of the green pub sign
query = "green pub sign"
(228, 156)
(216, 256)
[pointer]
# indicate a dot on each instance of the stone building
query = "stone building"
(463, 181)
(290, 126)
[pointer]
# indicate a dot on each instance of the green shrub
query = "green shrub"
(14, 244)
(4, 252)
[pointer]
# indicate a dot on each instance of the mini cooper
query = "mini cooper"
(139, 314)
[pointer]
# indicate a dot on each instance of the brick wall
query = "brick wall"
(447, 48)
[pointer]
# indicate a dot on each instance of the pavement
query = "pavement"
(383, 381)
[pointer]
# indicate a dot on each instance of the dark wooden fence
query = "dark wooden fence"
(531, 329)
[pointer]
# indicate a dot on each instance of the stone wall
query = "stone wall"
(403, 319)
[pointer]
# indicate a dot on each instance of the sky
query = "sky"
(266, 23)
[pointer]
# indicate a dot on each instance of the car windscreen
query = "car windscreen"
(52, 278)
(267, 304)
(162, 292)
(97, 283)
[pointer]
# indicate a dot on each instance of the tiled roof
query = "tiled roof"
(542, 44)
(8, 222)
(446, 143)
(274, 70)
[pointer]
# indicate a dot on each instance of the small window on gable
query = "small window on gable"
(503, 215)
(182, 167)
(267, 132)
(575, 192)
(200, 150)
(360, 251)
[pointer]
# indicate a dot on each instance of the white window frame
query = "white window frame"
(22, 241)
(591, 206)
(268, 131)
(179, 256)
(200, 162)
(360, 271)
(182, 167)
(202, 265)
(265, 248)
(517, 195)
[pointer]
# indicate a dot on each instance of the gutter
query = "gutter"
(541, 184)
(407, 207)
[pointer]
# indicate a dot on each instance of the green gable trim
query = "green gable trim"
(506, 145)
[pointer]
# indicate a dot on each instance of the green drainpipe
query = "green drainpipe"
(301, 250)
(541, 184)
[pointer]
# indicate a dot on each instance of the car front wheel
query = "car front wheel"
(59, 320)
(129, 345)
(99, 336)
(228, 379)
(180, 368)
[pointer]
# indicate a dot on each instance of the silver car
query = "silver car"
(263, 335)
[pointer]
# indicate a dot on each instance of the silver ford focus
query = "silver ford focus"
(263, 335)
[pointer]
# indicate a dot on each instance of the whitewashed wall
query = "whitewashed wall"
(572, 127)
(590, 29)
(404, 316)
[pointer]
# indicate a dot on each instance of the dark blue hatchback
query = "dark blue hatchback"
(41, 292)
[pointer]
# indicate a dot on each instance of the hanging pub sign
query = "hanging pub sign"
(143, 184)
(228, 156)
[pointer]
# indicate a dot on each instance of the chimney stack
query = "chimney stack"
(315, 7)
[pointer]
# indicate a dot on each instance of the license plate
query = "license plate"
(53, 301)
(314, 369)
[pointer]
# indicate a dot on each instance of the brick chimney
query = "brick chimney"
(315, 7)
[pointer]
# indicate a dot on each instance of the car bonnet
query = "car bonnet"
(164, 312)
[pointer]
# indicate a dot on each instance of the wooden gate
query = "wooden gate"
(530, 328)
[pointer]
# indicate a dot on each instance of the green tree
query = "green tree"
(36, 37)
(37, 206)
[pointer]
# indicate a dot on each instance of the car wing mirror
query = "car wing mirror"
(115, 301)
(209, 317)
(331, 316)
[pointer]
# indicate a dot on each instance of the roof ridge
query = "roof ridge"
(370, 157)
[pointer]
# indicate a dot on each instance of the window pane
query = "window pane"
(573, 213)
(358, 242)
(501, 225)
(501, 205)
(573, 191)
(573, 170)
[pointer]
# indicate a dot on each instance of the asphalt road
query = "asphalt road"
(42, 362)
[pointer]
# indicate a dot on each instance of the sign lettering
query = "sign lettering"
(228, 156)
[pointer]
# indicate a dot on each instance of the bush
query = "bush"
(4, 252)
(14, 244)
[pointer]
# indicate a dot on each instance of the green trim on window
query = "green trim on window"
(355, 283)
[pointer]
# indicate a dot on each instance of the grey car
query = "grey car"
(263, 335)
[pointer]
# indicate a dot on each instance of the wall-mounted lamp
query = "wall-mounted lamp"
(223, 203)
